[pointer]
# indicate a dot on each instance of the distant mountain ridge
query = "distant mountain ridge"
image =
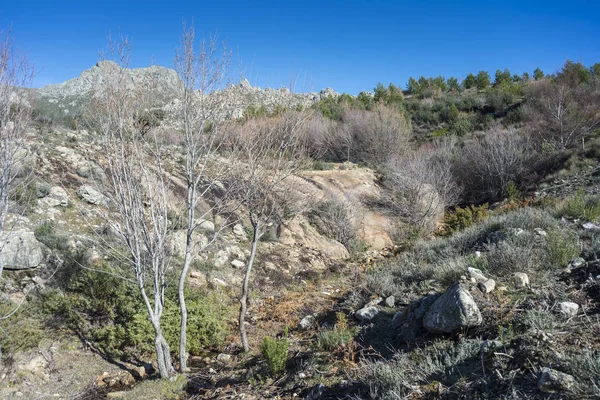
(229, 103)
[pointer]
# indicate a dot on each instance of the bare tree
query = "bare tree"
(564, 111)
(16, 75)
(138, 191)
(202, 70)
(271, 151)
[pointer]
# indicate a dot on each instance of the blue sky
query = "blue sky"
(348, 45)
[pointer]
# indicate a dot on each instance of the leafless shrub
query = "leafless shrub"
(420, 185)
(486, 164)
(373, 137)
(334, 219)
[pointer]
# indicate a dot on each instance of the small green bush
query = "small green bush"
(275, 352)
(108, 311)
(462, 218)
(581, 206)
(341, 334)
(21, 331)
(541, 320)
(561, 247)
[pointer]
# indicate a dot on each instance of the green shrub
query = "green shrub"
(561, 247)
(586, 367)
(541, 320)
(341, 334)
(108, 311)
(21, 331)
(512, 191)
(442, 361)
(275, 352)
(581, 206)
(462, 218)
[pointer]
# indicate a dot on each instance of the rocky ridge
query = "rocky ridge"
(228, 103)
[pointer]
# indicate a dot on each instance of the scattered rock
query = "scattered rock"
(520, 279)
(216, 282)
(390, 301)
(366, 313)
(490, 345)
(91, 195)
(409, 323)
(238, 264)
(589, 226)
(487, 286)
(452, 312)
(238, 230)
(476, 274)
(373, 302)
(568, 308)
(115, 395)
(576, 263)
(306, 322)
(21, 250)
(552, 381)
(206, 226)
(224, 358)
(540, 232)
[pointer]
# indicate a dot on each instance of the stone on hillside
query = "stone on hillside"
(373, 302)
(576, 263)
(238, 264)
(552, 381)
(206, 226)
(238, 230)
(306, 322)
(224, 357)
(520, 279)
(589, 226)
(390, 301)
(60, 194)
(409, 323)
(490, 345)
(452, 312)
(21, 250)
(366, 313)
(91, 195)
(487, 286)
(476, 274)
(540, 232)
(568, 308)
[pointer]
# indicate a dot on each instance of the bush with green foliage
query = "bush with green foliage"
(275, 352)
(462, 218)
(341, 334)
(581, 206)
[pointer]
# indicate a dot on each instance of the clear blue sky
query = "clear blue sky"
(348, 45)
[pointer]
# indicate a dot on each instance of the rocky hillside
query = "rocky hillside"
(233, 102)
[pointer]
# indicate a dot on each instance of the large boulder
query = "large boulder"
(552, 381)
(408, 324)
(91, 195)
(21, 250)
(453, 311)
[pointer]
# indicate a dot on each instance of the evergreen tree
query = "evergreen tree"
(453, 85)
(538, 74)
(412, 86)
(380, 93)
(470, 81)
(483, 80)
